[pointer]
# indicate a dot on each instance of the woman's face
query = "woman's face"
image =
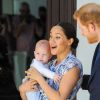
(58, 41)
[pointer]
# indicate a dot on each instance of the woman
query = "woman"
(62, 41)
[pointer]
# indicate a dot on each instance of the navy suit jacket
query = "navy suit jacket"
(92, 83)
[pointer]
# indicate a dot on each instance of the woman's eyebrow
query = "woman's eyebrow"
(57, 33)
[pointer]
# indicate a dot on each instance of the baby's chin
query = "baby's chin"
(45, 62)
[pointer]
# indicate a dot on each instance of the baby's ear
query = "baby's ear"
(34, 53)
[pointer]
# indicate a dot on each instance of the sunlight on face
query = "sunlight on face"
(58, 41)
(42, 54)
(88, 32)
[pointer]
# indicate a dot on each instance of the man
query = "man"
(41, 23)
(24, 30)
(88, 18)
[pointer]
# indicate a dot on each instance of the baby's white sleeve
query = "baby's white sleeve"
(42, 69)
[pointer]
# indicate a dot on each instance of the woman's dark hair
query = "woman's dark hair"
(70, 32)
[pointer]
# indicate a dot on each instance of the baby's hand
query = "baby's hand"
(57, 78)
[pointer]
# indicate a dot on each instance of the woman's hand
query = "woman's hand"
(33, 74)
(27, 86)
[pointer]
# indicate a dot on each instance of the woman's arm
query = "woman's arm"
(68, 82)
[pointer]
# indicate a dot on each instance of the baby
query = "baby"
(42, 56)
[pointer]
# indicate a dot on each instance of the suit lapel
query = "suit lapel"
(94, 57)
(96, 62)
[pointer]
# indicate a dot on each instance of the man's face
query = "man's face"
(88, 31)
(24, 10)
